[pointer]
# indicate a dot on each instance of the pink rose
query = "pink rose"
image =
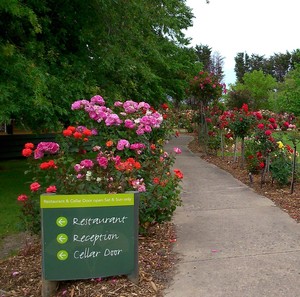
(102, 161)
(35, 186)
(177, 150)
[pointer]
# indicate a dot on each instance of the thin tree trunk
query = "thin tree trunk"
(222, 145)
(235, 150)
(242, 152)
(293, 170)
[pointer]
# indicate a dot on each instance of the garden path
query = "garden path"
(231, 241)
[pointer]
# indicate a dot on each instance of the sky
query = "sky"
(262, 27)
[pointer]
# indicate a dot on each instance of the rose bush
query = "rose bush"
(115, 149)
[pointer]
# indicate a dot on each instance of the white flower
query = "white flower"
(88, 175)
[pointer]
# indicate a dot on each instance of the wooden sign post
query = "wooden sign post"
(89, 236)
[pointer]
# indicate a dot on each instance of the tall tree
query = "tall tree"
(281, 65)
(203, 53)
(256, 62)
(241, 66)
(217, 63)
(53, 52)
(212, 61)
(277, 65)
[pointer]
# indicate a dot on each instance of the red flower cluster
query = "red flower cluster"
(164, 106)
(129, 165)
(28, 149)
(47, 165)
(178, 173)
(289, 149)
(72, 131)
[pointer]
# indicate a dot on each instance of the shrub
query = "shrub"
(118, 149)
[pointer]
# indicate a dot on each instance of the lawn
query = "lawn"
(12, 184)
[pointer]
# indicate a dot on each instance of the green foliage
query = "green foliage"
(214, 141)
(281, 168)
(286, 99)
(52, 51)
(236, 98)
(253, 158)
(162, 197)
(12, 182)
(241, 66)
(259, 85)
(277, 65)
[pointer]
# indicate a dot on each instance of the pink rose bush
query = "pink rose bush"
(115, 149)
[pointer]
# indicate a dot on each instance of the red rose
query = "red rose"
(29, 145)
(67, 132)
(261, 126)
(22, 197)
(26, 152)
(178, 173)
(268, 132)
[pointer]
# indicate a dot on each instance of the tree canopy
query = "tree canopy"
(277, 65)
(54, 52)
(255, 89)
(286, 97)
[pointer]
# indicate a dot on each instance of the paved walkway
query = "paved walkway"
(231, 241)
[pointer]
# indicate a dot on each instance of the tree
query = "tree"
(286, 98)
(212, 61)
(257, 62)
(203, 54)
(236, 98)
(277, 65)
(217, 63)
(281, 65)
(259, 85)
(54, 52)
(241, 66)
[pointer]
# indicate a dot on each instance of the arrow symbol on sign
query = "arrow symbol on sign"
(61, 222)
(62, 238)
(62, 255)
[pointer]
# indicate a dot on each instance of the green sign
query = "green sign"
(89, 236)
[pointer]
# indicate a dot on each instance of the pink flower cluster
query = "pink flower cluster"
(46, 147)
(133, 115)
(84, 164)
(139, 185)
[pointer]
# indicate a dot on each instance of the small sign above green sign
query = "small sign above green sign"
(89, 236)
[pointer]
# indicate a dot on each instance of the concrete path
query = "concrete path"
(231, 241)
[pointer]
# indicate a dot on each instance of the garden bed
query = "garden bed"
(20, 275)
(280, 195)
